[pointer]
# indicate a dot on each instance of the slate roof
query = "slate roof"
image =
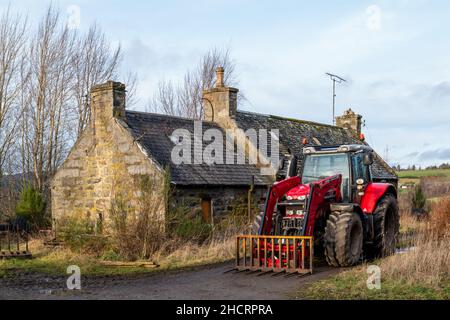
(293, 131)
(154, 131)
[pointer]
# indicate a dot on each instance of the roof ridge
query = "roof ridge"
(291, 119)
(160, 115)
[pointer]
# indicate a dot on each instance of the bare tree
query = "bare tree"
(45, 78)
(165, 99)
(61, 67)
(93, 63)
(49, 90)
(185, 99)
(131, 81)
(12, 42)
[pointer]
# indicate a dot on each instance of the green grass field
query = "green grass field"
(417, 174)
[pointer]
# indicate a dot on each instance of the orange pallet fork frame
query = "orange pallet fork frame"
(263, 253)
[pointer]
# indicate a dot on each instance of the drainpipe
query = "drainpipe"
(250, 192)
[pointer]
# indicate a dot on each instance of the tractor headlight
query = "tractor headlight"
(289, 198)
(301, 216)
(290, 212)
(302, 198)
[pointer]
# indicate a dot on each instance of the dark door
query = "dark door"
(207, 210)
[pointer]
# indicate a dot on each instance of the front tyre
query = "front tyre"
(343, 239)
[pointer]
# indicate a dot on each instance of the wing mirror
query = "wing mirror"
(292, 170)
(368, 159)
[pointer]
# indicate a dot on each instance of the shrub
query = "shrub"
(238, 220)
(185, 223)
(192, 229)
(31, 207)
(80, 235)
(418, 202)
(138, 231)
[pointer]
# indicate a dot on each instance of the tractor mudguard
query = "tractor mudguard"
(373, 193)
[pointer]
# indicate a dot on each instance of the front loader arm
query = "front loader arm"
(324, 191)
(276, 193)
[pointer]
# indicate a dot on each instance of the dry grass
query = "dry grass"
(439, 223)
(174, 253)
(192, 254)
(56, 260)
(428, 262)
(50, 261)
(219, 248)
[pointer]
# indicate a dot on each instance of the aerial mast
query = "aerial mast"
(335, 79)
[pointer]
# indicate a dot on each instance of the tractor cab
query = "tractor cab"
(346, 170)
(352, 162)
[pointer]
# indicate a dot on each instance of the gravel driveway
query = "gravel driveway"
(204, 283)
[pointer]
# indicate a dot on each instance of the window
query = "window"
(318, 167)
(359, 169)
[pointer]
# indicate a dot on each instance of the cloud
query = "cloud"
(438, 154)
(440, 91)
(412, 155)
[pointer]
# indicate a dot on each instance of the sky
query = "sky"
(395, 56)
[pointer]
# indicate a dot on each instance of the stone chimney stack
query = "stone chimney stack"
(350, 121)
(220, 102)
(219, 75)
(108, 101)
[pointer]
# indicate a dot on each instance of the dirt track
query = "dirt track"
(205, 283)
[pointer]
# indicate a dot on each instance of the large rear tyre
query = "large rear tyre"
(343, 239)
(386, 222)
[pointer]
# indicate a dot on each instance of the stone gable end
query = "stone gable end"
(105, 166)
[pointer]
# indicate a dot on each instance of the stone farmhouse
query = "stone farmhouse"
(121, 148)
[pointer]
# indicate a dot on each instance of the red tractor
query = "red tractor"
(333, 202)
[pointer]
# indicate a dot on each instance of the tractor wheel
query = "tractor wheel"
(386, 222)
(343, 239)
(257, 223)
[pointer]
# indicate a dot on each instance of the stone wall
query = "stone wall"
(224, 199)
(106, 164)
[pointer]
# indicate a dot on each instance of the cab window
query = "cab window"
(359, 169)
(318, 167)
